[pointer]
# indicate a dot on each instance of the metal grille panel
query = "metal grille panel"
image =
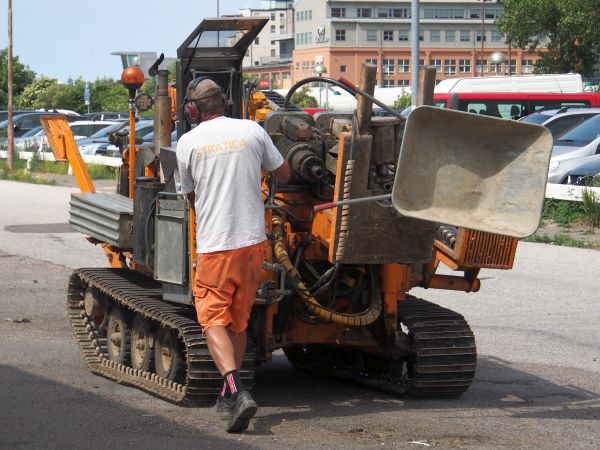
(489, 250)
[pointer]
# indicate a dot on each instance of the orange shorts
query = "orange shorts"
(225, 286)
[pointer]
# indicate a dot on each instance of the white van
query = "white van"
(566, 83)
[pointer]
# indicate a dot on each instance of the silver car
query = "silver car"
(578, 146)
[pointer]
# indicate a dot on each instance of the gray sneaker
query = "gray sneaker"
(243, 410)
(223, 408)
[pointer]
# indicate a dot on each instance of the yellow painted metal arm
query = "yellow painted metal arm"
(65, 148)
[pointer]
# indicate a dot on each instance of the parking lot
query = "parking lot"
(537, 382)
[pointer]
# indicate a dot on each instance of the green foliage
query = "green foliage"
(56, 167)
(563, 211)
(404, 100)
(24, 176)
(22, 76)
(304, 100)
(591, 207)
(562, 240)
(108, 95)
(100, 172)
(568, 28)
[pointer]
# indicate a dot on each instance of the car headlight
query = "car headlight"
(553, 166)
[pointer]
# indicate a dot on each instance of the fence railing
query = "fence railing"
(554, 191)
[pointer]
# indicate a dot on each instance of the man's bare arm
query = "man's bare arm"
(282, 172)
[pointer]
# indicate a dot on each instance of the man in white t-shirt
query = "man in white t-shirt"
(219, 166)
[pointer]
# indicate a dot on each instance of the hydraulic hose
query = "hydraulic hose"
(367, 317)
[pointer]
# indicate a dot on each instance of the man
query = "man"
(219, 165)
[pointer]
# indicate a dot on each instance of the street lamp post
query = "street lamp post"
(497, 59)
(320, 69)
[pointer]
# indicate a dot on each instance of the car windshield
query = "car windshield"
(104, 131)
(584, 133)
(536, 118)
(32, 132)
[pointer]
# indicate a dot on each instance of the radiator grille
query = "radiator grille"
(489, 250)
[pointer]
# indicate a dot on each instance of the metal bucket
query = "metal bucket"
(472, 171)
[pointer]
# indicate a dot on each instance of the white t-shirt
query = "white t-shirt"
(220, 161)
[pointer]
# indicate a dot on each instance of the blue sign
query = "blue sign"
(86, 93)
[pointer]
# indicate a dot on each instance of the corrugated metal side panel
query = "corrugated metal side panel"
(106, 217)
(489, 250)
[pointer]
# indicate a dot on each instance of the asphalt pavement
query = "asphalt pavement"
(537, 382)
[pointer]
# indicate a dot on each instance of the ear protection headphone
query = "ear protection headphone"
(191, 109)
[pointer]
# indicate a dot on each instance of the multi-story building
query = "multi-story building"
(456, 36)
(270, 55)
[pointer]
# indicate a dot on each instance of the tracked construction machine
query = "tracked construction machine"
(335, 297)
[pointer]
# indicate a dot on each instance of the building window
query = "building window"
(281, 29)
(444, 13)
(403, 65)
(437, 63)
(371, 61)
(464, 65)
(343, 69)
(403, 82)
(434, 35)
(393, 13)
(388, 67)
(272, 16)
(338, 12)
(372, 36)
(478, 34)
(495, 36)
(340, 35)
(465, 36)
(256, 41)
(527, 66)
(388, 35)
(273, 52)
(421, 35)
(481, 64)
(403, 35)
(297, 65)
(512, 67)
(272, 28)
(363, 12)
(449, 67)
(388, 83)
(450, 36)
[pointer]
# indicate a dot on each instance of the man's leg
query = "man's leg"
(221, 348)
(239, 341)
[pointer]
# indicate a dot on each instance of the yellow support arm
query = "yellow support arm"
(65, 148)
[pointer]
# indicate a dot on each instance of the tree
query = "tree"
(35, 95)
(567, 28)
(22, 76)
(304, 100)
(404, 100)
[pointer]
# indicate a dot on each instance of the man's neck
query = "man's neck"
(206, 118)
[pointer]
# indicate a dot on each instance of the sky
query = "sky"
(74, 38)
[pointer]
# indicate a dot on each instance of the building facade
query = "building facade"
(270, 55)
(457, 37)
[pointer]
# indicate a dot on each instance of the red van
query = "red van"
(512, 105)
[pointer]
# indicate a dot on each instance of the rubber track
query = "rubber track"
(444, 345)
(443, 360)
(139, 294)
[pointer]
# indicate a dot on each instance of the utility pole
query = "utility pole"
(414, 73)
(482, 32)
(10, 132)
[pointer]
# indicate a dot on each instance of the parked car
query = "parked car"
(103, 146)
(81, 129)
(559, 121)
(105, 115)
(23, 123)
(577, 146)
(29, 140)
(4, 114)
(584, 173)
